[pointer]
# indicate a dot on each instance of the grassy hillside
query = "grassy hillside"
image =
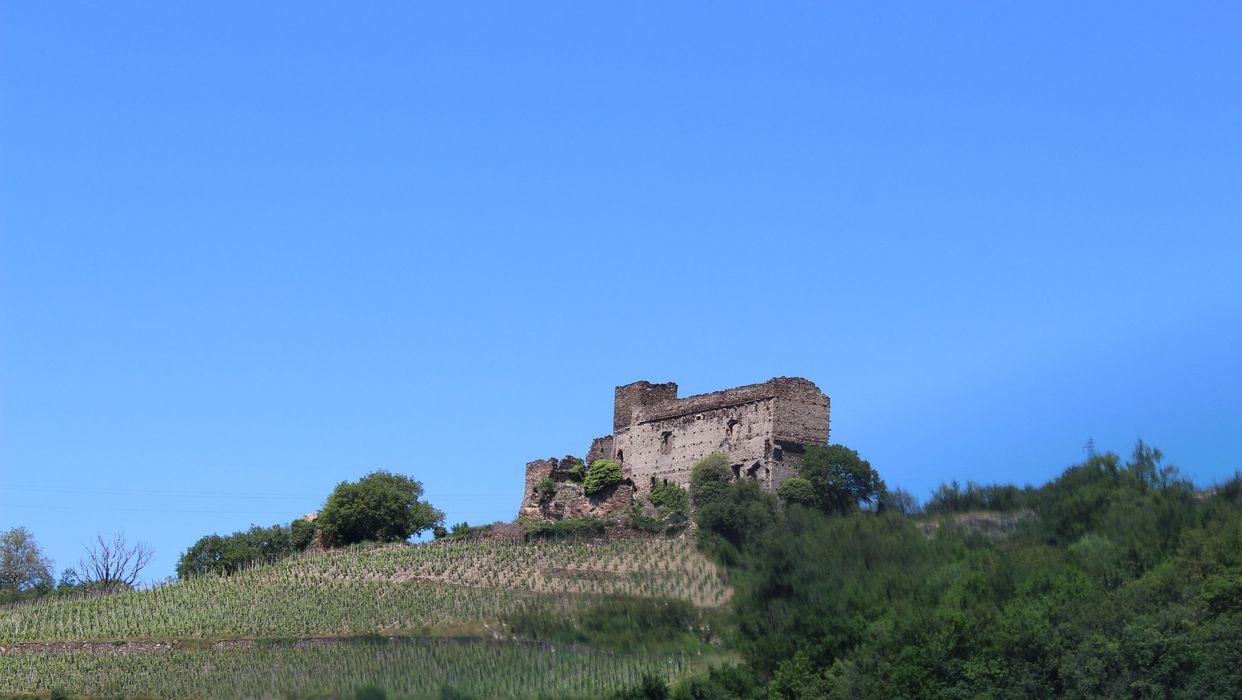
(481, 589)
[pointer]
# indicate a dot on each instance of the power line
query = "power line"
(213, 511)
(113, 491)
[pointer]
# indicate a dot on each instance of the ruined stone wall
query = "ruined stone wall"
(802, 412)
(569, 500)
(632, 399)
(601, 448)
(665, 448)
(762, 428)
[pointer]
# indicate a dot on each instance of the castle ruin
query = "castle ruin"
(657, 437)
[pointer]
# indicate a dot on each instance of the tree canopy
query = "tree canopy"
(226, 554)
(22, 563)
(841, 481)
(379, 507)
(1122, 581)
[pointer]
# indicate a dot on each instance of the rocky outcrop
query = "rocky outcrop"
(568, 500)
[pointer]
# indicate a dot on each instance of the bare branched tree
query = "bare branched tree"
(113, 565)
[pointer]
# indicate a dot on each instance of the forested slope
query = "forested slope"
(1119, 580)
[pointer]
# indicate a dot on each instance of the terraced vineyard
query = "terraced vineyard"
(422, 589)
(406, 668)
(417, 596)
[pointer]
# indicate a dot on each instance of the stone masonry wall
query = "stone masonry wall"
(763, 428)
(664, 449)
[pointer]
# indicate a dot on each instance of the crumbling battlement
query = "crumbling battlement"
(763, 428)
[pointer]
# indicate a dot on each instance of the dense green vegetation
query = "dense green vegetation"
(600, 475)
(567, 529)
(461, 531)
(623, 623)
(379, 507)
(25, 571)
(1122, 582)
(216, 554)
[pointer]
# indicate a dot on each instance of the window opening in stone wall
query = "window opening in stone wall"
(778, 454)
(753, 472)
(733, 423)
(666, 442)
(620, 455)
(737, 472)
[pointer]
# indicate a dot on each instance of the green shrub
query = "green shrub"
(370, 692)
(465, 530)
(709, 477)
(619, 623)
(671, 500)
(952, 498)
(649, 688)
(301, 534)
(546, 489)
(564, 529)
(797, 490)
(448, 692)
(636, 519)
(228, 553)
(576, 469)
(602, 474)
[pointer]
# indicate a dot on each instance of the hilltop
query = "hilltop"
(1117, 579)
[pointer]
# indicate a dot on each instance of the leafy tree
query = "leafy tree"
(728, 513)
(23, 565)
(709, 477)
(576, 469)
(301, 533)
(230, 553)
(795, 489)
(1145, 465)
(380, 507)
(601, 474)
(671, 501)
(1127, 583)
(902, 501)
(841, 480)
(953, 498)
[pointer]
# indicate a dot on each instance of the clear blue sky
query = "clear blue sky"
(249, 250)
